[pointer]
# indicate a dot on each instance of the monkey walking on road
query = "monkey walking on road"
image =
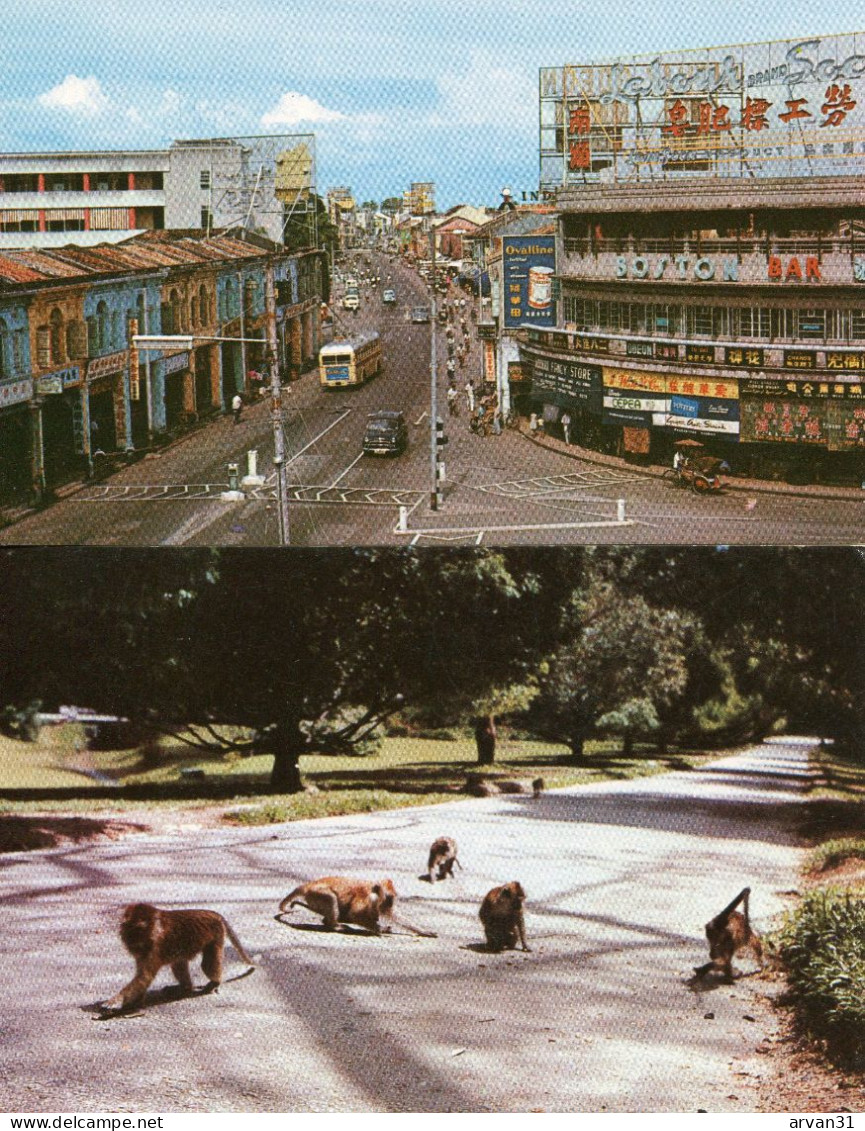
(157, 938)
(728, 933)
(341, 900)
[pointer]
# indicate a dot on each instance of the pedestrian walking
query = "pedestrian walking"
(497, 423)
(566, 427)
(534, 423)
(237, 407)
(470, 394)
(453, 400)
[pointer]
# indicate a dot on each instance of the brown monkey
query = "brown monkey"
(340, 900)
(502, 916)
(728, 933)
(519, 786)
(157, 938)
(478, 787)
(442, 857)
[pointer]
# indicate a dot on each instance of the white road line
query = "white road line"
(458, 530)
(420, 419)
(318, 437)
(195, 524)
(347, 470)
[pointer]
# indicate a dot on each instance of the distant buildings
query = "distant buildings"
(98, 196)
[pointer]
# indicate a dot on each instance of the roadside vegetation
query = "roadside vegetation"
(821, 942)
(55, 774)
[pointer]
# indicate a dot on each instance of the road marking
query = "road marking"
(194, 525)
(347, 470)
(480, 531)
(212, 492)
(315, 440)
(421, 418)
(549, 484)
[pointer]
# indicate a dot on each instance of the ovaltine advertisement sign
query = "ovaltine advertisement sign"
(529, 266)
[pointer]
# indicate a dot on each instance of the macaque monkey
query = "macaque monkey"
(157, 938)
(502, 916)
(340, 900)
(728, 933)
(442, 857)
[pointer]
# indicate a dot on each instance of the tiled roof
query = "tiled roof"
(147, 252)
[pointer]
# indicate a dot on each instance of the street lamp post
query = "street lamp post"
(279, 451)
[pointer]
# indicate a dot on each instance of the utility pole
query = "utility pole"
(276, 406)
(435, 483)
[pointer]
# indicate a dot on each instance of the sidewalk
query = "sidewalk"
(732, 483)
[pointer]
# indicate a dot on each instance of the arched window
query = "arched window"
(102, 327)
(250, 296)
(232, 298)
(4, 349)
(55, 325)
(203, 306)
(176, 313)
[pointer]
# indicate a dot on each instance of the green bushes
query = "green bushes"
(822, 946)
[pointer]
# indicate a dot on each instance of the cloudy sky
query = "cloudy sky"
(439, 90)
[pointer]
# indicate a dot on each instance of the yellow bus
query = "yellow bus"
(349, 362)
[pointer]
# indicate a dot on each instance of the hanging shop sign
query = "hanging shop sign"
(703, 414)
(516, 373)
(779, 387)
(702, 387)
(14, 392)
(772, 420)
(529, 264)
(572, 380)
(799, 359)
(849, 362)
(744, 357)
(175, 363)
(110, 363)
(701, 355)
(634, 379)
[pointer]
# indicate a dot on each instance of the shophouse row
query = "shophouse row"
(74, 387)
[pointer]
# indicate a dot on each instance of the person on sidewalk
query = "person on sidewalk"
(237, 407)
(566, 427)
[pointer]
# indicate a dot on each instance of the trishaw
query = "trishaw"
(695, 468)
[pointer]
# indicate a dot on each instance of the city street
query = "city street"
(498, 490)
(604, 1013)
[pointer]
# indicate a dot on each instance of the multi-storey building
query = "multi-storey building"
(91, 197)
(73, 383)
(710, 254)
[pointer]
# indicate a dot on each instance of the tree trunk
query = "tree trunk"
(289, 742)
(485, 738)
(577, 746)
(627, 744)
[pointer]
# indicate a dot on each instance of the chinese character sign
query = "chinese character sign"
(791, 108)
(529, 267)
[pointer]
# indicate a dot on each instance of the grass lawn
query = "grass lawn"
(405, 771)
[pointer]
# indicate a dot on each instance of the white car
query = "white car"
(389, 296)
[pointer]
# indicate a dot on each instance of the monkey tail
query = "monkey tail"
(414, 930)
(732, 905)
(236, 943)
(457, 862)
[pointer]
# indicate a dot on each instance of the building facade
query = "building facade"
(710, 255)
(73, 385)
(92, 197)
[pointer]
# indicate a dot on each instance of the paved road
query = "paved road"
(600, 1016)
(499, 491)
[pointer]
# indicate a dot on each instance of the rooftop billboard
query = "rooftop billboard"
(791, 108)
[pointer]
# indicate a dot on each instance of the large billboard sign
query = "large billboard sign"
(529, 265)
(259, 183)
(779, 109)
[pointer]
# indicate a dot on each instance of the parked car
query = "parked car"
(386, 434)
(420, 314)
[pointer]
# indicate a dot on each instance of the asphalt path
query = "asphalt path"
(603, 1015)
(498, 490)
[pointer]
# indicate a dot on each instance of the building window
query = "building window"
(43, 347)
(55, 323)
(206, 219)
(700, 322)
(203, 306)
(102, 328)
(812, 325)
(19, 351)
(4, 349)
(857, 325)
(204, 178)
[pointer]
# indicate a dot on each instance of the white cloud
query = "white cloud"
(488, 93)
(76, 96)
(295, 108)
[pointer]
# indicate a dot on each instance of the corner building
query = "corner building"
(710, 255)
